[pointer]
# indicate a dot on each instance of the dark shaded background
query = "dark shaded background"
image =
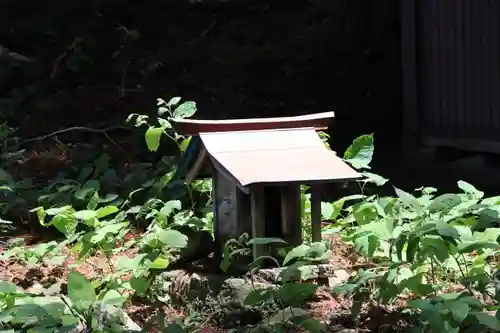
(236, 59)
(96, 61)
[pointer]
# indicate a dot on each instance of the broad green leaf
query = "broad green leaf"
(295, 294)
(184, 144)
(152, 137)
(374, 178)
(93, 201)
(491, 201)
(172, 238)
(82, 177)
(472, 301)
(444, 203)
(327, 210)
(487, 218)
(346, 288)
(428, 190)
(387, 204)
(382, 228)
(161, 111)
(40, 214)
(284, 315)
(174, 101)
(88, 188)
(86, 214)
(5, 177)
(160, 263)
(108, 198)
(367, 245)
(309, 324)
(128, 264)
(130, 117)
(458, 309)
(164, 123)
(113, 228)
(388, 293)
(265, 241)
(412, 248)
(468, 247)
(257, 296)
(28, 312)
(365, 213)
(489, 234)
(444, 229)
(423, 304)
(487, 320)
(297, 252)
(185, 110)
(358, 300)
(113, 297)
(399, 245)
(56, 260)
(141, 120)
(360, 153)
(408, 199)
(41, 249)
(174, 328)
(449, 326)
(7, 287)
(59, 210)
(80, 291)
(316, 249)
(105, 211)
(65, 224)
(337, 208)
(170, 207)
(450, 296)
(470, 189)
(415, 284)
(140, 285)
(437, 246)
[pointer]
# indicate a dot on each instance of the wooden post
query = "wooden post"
(258, 218)
(217, 241)
(316, 213)
(291, 224)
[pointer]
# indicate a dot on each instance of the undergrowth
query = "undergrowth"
(433, 256)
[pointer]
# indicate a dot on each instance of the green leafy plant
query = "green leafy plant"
(437, 251)
(285, 302)
(454, 312)
(63, 314)
(173, 109)
(421, 244)
(47, 253)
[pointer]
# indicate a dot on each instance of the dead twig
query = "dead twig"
(62, 56)
(103, 131)
(204, 33)
(14, 55)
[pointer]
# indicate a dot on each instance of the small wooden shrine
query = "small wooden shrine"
(257, 167)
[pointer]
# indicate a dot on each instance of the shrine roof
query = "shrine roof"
(269, 152)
